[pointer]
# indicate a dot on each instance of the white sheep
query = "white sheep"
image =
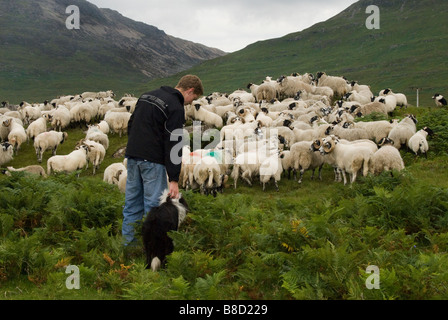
(338, 84)
(48, 141)
(369, 108)
(347, 134)
(33, 169)
(118, 121)
(210, 118)
(96, 153)
(120, 179)
(271, 168)
(111, 171)
(60, 118)
(349, 158)
(386, 158)
(6, 153)
(418, 143)
(390, 101)
(207, 175)
(305, 159)
(402, 100)
(403, 131)
(376, 130)
(76, 160)
(17, 134)
(95, 134)
(290, 85)
(36, 127)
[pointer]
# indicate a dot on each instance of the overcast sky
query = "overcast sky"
(229, 25)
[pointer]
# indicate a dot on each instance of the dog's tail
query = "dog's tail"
(156, 264)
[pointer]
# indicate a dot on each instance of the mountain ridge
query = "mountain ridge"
(108, 45)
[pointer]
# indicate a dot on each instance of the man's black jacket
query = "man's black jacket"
(157, 115)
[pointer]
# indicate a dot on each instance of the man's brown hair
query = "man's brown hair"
(191, 81)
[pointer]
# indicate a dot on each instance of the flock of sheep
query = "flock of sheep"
(44, 125)
(294, 123)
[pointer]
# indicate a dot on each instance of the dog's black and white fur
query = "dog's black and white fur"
(167, 217)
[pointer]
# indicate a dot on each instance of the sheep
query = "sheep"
(439, 100)
(36, 127)
(347, 134)
(95, 134)
(266, 92)
(82, 113)
(33, 169)
(289, 86)
(348, 158)
(118, 121)
(304, 159)
(96, 154)
(271, 168)
(338, 84)
(287, 163)
(358, 97)
(207, 174)
(207, 117)
(48, 140)
(29, 113)
(389, 101)
(75, 160)
(418, 143)
(120, 180)
(386, 158)
(6, 153)
(111, 171)
(17, 134)
(376, 130)
(60, 118)
(369, 108)
(402, 100)
(403, 131)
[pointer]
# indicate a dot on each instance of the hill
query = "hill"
(41, 58)
(408, 51)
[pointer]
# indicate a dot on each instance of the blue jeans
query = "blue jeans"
(145, 184)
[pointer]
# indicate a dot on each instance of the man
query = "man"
(153, 131)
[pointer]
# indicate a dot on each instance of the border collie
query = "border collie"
(167, 217)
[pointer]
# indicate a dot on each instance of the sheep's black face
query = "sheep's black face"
(197, 106)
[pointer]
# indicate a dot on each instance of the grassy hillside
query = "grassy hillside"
(409, 50)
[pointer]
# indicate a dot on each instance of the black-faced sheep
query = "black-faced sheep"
(439, 100)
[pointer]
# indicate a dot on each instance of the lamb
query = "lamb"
(338, 84)
(403, 131)
(111, 172)
(439, 100)
(17, 134)
(36, 127)
(271, 168)
(48, 140)
(118, 121)
(120, 180)
(208, 117)
(287, 163)
(348, 158)
(387, 158)
(96, 153)
(305, 159)
(418, 143)
(76, 160)
(207, 174)
(6, 153)
(33, 169)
